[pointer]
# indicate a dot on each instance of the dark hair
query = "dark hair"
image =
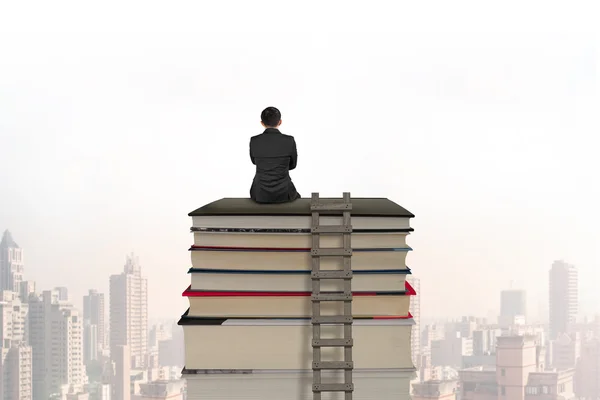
(270, 116)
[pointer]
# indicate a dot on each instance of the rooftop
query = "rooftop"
(8, 241)
(361, 206)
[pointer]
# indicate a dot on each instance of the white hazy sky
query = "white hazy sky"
(119, 118)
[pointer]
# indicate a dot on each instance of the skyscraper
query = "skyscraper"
(513, 303)
(129, 311)
(90, 342)
(513, 307)
(55, 335)
(563, 298)
(121, 380)
(13, 319)
(93, 318)
(16, 372)
(15, 354)
(11, 264)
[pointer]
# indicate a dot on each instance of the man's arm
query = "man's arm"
(251, 157)
(294, 155)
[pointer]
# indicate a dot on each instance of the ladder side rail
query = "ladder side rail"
(316, 306)
(348, 289)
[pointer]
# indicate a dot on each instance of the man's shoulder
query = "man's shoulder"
(265, 135)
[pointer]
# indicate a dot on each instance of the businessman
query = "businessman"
(274, 155)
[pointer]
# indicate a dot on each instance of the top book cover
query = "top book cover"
(361, 206)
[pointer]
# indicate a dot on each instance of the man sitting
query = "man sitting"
(274, 155)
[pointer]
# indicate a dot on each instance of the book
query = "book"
(293, 259)
(293, 304)
(292, 280)
(229, 238)
(234, 351)
(379, 384)
(242, 213)
(285, 344)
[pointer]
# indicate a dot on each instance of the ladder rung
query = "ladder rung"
(333, 387)
(331, 252)
(331, 275)
(332, 319)
(333, 365)
(332, 342)
(332, 229)
(332, 297)
(337, 206)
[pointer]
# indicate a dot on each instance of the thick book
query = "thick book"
(285, 344)
(376, 384)
(229, 238)
(294, 304)
(243, 213)
(294, 281)
(293, 258)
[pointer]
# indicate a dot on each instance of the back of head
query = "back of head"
(270, 116)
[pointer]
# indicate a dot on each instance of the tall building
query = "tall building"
(56, 342)
(14, 324)
(565, 350)
(16, 372)
(171, 352)
(90, 342)
(587, 378)
(121, 379)
(158, 333)
(431, 333)
(27, 289)
(11, 264)
(451, 350)
(62, 293)
(129, 311)
(94, 323)
(15, 354)
(513, 306)
(563, 298)
(415, 310)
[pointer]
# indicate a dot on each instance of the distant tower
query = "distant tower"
(129, 311)
(57, 349)
(563, 298)
(121, 378)
(15, 361)
(513, 305)
(93, 315)
(11, 264)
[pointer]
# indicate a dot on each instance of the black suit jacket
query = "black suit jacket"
(274, 155)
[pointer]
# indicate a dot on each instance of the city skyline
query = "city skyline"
(462, 345)
(52, 349)
(532, 307)
(563, 283)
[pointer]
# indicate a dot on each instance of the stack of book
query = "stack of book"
(248, 331)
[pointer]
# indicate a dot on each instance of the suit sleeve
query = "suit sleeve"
(251, 157)
(294, 156)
